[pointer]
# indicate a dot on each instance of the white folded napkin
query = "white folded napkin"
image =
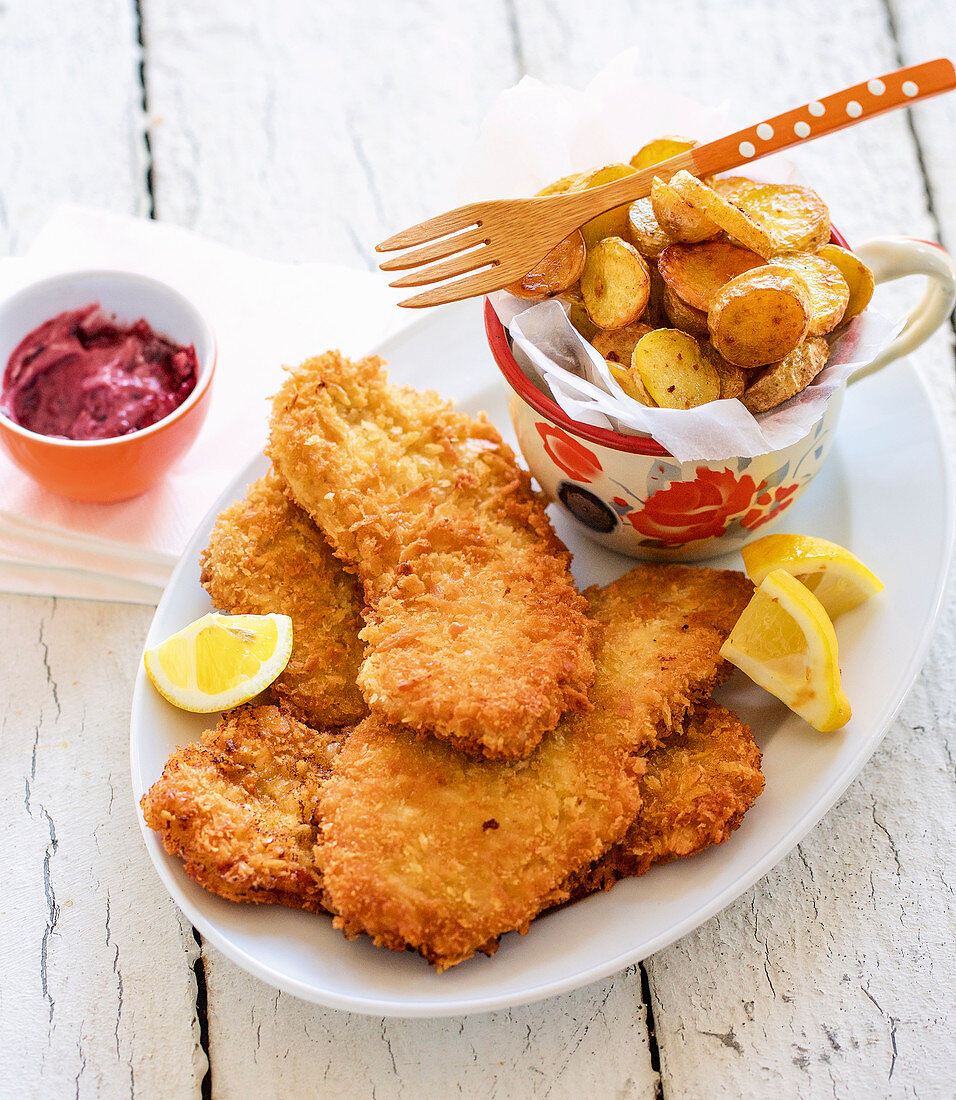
(264, 315)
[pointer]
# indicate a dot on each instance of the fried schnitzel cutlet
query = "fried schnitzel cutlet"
(698, 785)
(266, 555)
(475, 632)
(422, 846)
(238, 807)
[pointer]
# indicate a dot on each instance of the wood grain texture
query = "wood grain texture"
(307, 131)
(70, 112)
(97, 983)
(592, 1041)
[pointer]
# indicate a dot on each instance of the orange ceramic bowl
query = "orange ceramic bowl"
(106, 470)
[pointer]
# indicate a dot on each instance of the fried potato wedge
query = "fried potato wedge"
(617, 344)
(661, 149)
(829, 292)
(732, 379)
(858, 277)
(558, 271)
(759, 317)
(630, 382)
(795, 217)
(612, 223)
(615, 283)
(735, 222)
(673, 369)
(683, 316)
(695, 272)
(645, 232)
(682, 219)
(779, 382)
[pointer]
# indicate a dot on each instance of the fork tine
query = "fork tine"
(480, 282)
(447, 246)
(450, 222)
(457, 265)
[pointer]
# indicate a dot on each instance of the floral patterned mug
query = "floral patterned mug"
(630, 494)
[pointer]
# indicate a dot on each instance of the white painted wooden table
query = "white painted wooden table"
(307, 130)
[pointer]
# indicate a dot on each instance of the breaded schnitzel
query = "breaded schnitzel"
(265, 555)
(238, 807)
(422, 846)
(475, 632)
(698, 785)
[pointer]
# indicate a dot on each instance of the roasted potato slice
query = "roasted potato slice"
(616, 344)
(733, 379)
(720, 211)
(646, 233)
(858, 277)
(580, 318)
(630, 382)
(695, 272)
(560, 269)
(673, 369)
(680, 218)
(654, 314)
(612, 223)
(660, 149)
(559, 187)
(779, 382)
(796, 218)
(829, 292)
(683, 316)
(733, 187)
(759, 317)
(615, 283)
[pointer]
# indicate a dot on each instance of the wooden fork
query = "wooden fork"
(493, 243)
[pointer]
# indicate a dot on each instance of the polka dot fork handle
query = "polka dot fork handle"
(484, 246)
(825, 116)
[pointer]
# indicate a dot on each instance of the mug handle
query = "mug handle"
(891, 258)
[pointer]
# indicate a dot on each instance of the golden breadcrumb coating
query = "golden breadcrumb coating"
(475, 632)
(238, 807)
(422, 846)
(265, 555)
(698, 785)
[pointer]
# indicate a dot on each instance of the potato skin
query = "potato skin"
(683, 316)
(680, 218)
(759, 317)
(780, 381)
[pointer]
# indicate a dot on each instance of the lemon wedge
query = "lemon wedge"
(837, 579)
(784, 641)
(220, 661)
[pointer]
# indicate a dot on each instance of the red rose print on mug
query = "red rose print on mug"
(689, 510)
(568, 454)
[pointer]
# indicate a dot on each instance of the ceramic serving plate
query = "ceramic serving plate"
(884, 493)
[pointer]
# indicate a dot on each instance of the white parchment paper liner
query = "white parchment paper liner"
(536, 133)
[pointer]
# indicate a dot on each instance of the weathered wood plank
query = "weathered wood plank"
(590, 1042)
(70, 112)
(308, 132)
(97, 986)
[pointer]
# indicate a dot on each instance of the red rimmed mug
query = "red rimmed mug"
(630, 494)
